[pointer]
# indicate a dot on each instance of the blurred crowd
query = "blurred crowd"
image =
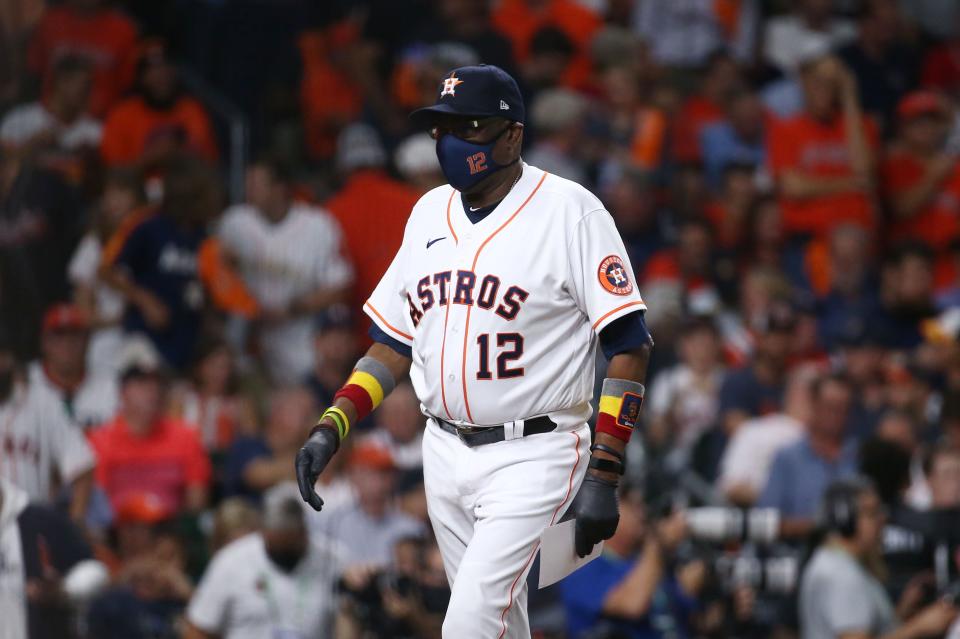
(786, 179)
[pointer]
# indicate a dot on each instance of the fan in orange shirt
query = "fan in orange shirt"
(372, 209)
(721, 80)
(921, 182)
(87, 29)
(520, 20)
(822, 159)
(158, 121)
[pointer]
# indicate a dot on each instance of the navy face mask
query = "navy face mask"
(465, 164)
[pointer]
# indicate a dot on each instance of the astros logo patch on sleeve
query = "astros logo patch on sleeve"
(614, 277)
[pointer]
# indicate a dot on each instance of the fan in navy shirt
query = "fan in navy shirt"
(154, 264)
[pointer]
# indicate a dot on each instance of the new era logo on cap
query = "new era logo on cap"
(504, 106)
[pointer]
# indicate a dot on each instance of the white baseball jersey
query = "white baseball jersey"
(37, 439)
(279, 263)
(93, 403)
(503, 315)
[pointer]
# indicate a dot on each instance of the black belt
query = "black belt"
(474, 436)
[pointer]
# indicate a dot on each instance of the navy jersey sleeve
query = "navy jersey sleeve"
(378, 335)
(624, 334)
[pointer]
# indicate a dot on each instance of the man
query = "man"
(822, 159)
(371, 208)
(60, 120)
(39, 549)
(801, 472)
(400, 429)
(272, 583)
(143, 451)
(39, 448)
(369, 525)
(841, 596)
(290, 285)
(629, 590)
(493, 304)
(61, 376)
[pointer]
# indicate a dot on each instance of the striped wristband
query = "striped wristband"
(620, 402)
(339, 418)
(369, 383)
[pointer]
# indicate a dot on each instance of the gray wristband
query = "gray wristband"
(381, 373)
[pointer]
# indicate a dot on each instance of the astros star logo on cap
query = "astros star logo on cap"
(449, 84)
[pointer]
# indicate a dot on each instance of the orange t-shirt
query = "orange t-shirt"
(519, 23)
(938, 222)
(107, 38)
(696, 113)
(131, 125)
(372, 209)
(817, 149)
(164, 463)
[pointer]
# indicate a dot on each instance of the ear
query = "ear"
(508, 147)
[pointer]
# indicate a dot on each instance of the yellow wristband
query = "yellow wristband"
(340, 419)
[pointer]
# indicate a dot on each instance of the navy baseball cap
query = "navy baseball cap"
(483, 91)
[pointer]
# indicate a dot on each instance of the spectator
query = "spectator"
(61, 378)
(39, 227)
(730, 211)
(786, 37)
(256, 464)
(400, 432)
(822, 159)
(122, 196)
(416, 160)
(371, 207)
(841, 593)
(721, 79)
(234, 518)
(757, 388)
(685, 35)
(629, 590)
(211, 399)
(521, 20)
(906, 293)
(151, 587)
(861, 357)
(883, 63)
(88, 29)
(747, 459)
(735, 140)
(941, 66)
(276, 582)
(644, 230)
(369, 527)
(290, 286)
(845, 281)
(801, 472)
(922, 180)
(158, 121)
(635, 128)
(38, 440)
(152, 261)
(60, 122)
(41, 550)
(684, 399)
(560, 116)
(143, 451)
(335, 353)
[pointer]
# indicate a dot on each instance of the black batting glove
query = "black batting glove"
(312, 459)
(597, 513)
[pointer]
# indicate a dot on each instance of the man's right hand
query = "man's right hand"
(312, 459)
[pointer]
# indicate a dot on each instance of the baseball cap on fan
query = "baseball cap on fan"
(483, 90)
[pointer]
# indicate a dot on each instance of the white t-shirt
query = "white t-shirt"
(530, 286)
(94, 402)
(750, 453)
(693, 408)
(27, 120)
(13, 591)
(103, 352)
(788, 38)
(36, 439)
(279, 263)
(244, 596)
(406, 455)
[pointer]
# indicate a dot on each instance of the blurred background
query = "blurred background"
(196, 196)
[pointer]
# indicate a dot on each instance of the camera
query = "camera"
(717, 524)
(773, 575)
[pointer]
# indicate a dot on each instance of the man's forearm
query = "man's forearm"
(81, 488)
(319, 300)
(630, 366)
(631, 597)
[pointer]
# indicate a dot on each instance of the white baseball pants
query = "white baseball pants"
(488, 506)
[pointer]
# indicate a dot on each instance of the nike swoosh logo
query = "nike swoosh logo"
(432, 242)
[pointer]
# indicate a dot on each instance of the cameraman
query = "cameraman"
(629, 590)
(841, 593)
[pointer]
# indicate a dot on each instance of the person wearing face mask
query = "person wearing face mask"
(274, 583)
(506, 281)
